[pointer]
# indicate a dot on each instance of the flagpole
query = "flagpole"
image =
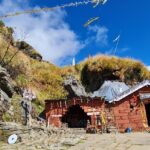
(116, 45)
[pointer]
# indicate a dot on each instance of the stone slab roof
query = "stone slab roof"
(110, 89)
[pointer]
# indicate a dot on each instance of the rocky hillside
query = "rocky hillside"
(23, 65)
(27, 70)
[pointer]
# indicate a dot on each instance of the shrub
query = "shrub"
(2, 23)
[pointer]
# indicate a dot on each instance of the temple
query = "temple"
(113, 104)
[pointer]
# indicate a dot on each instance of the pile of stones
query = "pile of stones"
(38, 137)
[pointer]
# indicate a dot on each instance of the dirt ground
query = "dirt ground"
(132, 141)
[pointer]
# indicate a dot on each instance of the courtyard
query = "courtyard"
(131, 141)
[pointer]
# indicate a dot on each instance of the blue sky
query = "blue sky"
(130, 18)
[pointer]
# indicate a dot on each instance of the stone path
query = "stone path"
(133, 141)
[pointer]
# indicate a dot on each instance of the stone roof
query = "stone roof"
(110, 89)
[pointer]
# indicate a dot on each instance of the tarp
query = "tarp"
(110, 89)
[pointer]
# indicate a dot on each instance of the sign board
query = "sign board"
(144, 96)
(93, 113)
(56, 115)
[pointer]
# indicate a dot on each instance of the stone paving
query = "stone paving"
(76, 139)
(39, 137)
(132, 141)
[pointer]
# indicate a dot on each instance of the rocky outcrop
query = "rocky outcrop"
(6, 91)
(96, 70)
(5, 83)
(4, 103)
(28, 49)
(74, 87)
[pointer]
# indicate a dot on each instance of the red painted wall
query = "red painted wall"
(55, 109)
(125, 116)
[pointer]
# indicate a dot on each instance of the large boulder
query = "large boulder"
(4, 103)
(28, 49)
(6, 91)
(74, 87)
(5, 83)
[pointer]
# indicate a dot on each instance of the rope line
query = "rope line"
(46, 9)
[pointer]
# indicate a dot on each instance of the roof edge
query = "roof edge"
(130, 91)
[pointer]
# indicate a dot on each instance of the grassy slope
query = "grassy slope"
(44, 78)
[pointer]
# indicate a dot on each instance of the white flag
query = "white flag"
(104, 1)
(98, 2)
(116, 39)
(73, 62)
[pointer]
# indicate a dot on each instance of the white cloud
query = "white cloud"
(101, 36)
(148, 67)
(46, 32)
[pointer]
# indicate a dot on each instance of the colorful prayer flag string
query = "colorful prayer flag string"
(46, 9)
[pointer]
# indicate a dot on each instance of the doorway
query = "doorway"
(75, 117)
(147, 107)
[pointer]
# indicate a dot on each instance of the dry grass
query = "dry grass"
(44, 78)
(102, 67)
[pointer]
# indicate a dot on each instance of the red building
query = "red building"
(132, 108)
(128, 108)
(75, 112)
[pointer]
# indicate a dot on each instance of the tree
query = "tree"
(2, 23)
